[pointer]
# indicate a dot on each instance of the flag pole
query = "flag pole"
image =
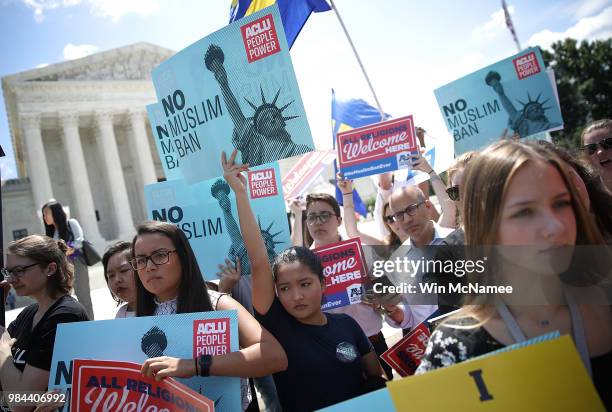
(365, 74)
(510, 25)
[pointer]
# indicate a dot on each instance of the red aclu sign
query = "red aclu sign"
(377, 141)
(343, 266)
(263, 183)
(211, 337)
(405, 356)
(260, 39)
(100, 386)
(526, 65)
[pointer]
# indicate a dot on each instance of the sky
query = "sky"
(408, 47)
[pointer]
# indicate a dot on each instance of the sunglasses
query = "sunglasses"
(592, 147)
(453, 193)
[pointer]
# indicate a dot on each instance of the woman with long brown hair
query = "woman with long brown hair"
(520, 207)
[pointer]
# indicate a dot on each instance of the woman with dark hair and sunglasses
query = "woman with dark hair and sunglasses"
(36, 266)
(329, 353)
(119, 276)
(597, 146)
(58, 226)
(169, 281)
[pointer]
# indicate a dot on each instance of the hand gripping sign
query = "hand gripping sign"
(377, 148)
(120, 386)
(345, 273)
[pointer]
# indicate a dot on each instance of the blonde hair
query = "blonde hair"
(487, 178)
(460, 163)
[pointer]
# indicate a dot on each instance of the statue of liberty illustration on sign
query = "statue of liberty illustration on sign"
(263, 137)
(220, 190)
(233, 89)
(531, 119)
(515, 95)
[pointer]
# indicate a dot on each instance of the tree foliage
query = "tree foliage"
(584, 83)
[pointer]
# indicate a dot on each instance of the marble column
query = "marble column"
(142, 150)
(38, 170)
(79, 179)
(114, 172)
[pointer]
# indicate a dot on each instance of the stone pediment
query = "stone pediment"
(133, 62)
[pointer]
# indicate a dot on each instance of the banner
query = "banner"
(120, 386)
(378, 148)
(138, 339)
(405, 356)
(516, 94)
(310, 166)
(206, 212)
(546, 376)
(234, 89)
(345, 272)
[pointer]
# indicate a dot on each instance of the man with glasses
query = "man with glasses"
(411, 211)
(597, 147)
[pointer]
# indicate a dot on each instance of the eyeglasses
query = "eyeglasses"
(389, 219)
(410, 211)
(159, 257)
(17, 271)
(453, 193)
(323, 217)
(592, 147)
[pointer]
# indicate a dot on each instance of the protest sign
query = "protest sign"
(544, 376)
(405, 356)
(233, 89)
(206, 212)
(120, 386)
(345, 272)
(516, 94)
(379, 401)
(377, 148)
(299, 178)
(141, 338)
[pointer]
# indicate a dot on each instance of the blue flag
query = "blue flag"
(347, 115)
(294, 13)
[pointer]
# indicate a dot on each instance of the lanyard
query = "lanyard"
(577, 328)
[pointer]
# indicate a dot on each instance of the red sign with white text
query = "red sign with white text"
(211, 337)
(526, 65)
(345, 272)
(377, 148)
(304, 172)
(405, 356)
(260, 39)
(262, 183)
(100, 386)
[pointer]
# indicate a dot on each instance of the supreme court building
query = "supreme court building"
(80, 135)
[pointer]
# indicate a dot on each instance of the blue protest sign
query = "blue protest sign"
(515, 95)
(207, 214)
(235, 88)
(136, 339)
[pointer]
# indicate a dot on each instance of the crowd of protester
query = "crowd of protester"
(533, 195)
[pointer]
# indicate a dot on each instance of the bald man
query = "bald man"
(411, 211)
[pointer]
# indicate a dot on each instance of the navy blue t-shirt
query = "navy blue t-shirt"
(325, 365)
